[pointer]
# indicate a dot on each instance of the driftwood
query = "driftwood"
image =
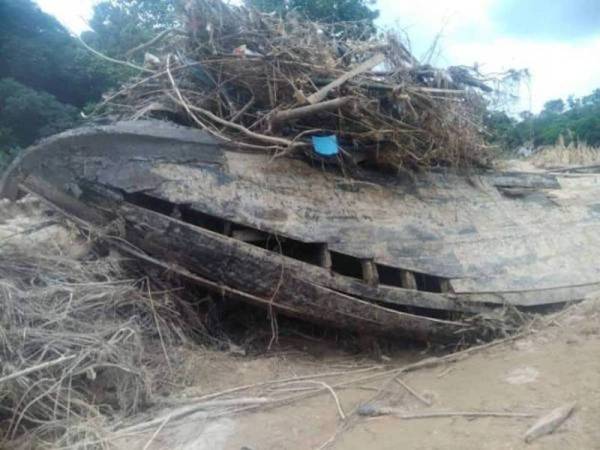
(361, 68)
(374, 410)
(550, 422)
(284, 116)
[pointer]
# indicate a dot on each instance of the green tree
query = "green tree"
(502, 130)
(36, 50)
(120, 25)
(327, 11)
(554, 107)
(580, 122)
(27, 115)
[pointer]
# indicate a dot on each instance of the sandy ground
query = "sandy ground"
(534, 374)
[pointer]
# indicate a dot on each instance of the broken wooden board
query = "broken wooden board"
(438, 241)
(236, 268)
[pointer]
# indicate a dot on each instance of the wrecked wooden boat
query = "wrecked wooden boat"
(386, 254)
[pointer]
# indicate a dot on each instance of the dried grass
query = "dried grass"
(562, 155)
(73, 336)
(242, 75)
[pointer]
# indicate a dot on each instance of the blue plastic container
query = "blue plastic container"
(325, 145)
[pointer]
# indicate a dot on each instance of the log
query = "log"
(318, 96)
(287, 115)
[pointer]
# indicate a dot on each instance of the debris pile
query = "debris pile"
(268, 83)
(74, 334)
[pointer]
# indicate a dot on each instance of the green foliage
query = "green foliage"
(120, 25)
(501, 127)
(6, 155)
(553, 107)
(576, 120)
(27, 115)
(327, 11)
(36, 50)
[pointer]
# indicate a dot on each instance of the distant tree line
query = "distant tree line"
(47, 78)
(576, 120)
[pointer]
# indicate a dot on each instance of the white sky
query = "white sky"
(469, 34)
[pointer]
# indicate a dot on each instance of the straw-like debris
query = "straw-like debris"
(263, 82)
(73, 336)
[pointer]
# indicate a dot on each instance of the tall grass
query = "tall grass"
(561, 155)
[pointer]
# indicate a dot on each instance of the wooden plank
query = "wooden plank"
(369, 272)
(255, 273)
(442, 224)
(325, 257)
(531, 298)
(408, 280)
(446, 287)
(265, 274)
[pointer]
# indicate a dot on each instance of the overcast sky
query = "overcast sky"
(557, 40)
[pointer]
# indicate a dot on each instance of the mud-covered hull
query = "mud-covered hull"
(381, 253)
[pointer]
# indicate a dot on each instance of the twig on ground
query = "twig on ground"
(373, 411)
(157, 432)
(413, 392)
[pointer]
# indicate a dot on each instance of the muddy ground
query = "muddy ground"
(556, 361)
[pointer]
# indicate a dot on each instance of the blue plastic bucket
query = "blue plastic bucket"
(325, 145)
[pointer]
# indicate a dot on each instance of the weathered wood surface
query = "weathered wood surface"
(227, 265)
(489, 247)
